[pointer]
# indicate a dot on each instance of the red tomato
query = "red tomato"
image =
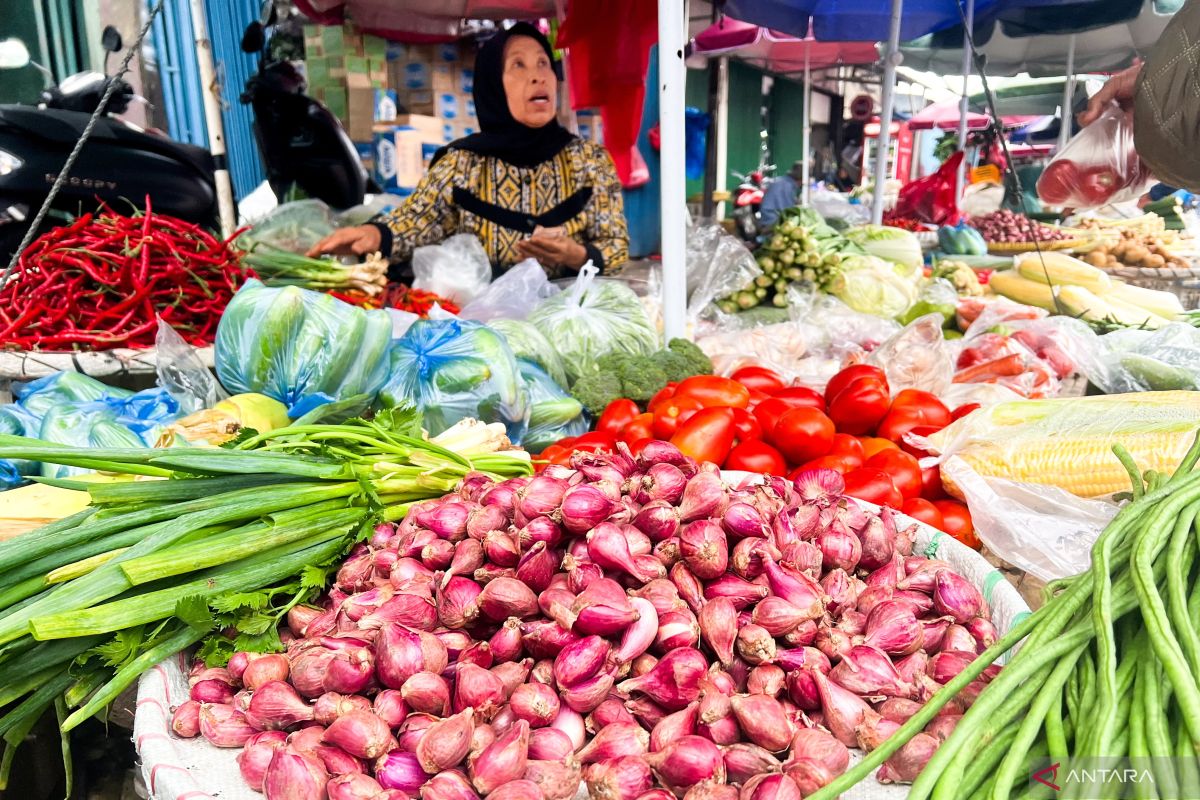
(550, 455)
(746, 426)
(801, 396)
(1098, 184)
(707, 435)
(873, 444)
(760, 378)
(754, 455)
(874, 486)
(860, 406)
(911, 409)
(841, 463)
(567, 441)
(714, 391)
(640, 427)
(845, 444)
(803, 434)
(931, 484)
(661, 396)
(963, 410)
(904, 469)
(595, 442)
(922, 510)
(844, 378)
(617, 415)
(671, 412)
(769, 411)
(957, 522)
(913, 450)
(1056, 185)
(757, 397)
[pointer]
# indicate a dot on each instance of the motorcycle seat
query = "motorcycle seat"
(63, 128)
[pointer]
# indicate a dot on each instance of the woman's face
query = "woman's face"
(530, 85)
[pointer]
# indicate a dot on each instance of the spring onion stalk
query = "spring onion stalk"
(82, 567)
(278, 267)
(1106, 667)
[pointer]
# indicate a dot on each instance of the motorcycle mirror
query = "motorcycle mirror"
(110, 39)
(13, 54)
(254, 39)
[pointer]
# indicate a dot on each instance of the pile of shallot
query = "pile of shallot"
(631, 624)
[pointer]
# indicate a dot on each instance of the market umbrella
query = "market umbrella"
(778, 52)
(946, 115)
(1107, 36)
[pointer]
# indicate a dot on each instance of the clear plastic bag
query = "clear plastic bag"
(457, 269)
(1098, 166)
(593, 318)
(1147, 361)
(553, 414)
(512, 295)
(182, 374)
(454, 369)
(300, 347)
(1043, 530)
(917, 357)
(837, 206)
(294, 227)
(528, 343)
(717, 265)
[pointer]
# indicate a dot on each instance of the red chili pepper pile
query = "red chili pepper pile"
(415, 301)
(102, 281)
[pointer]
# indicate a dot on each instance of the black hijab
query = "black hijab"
(500, 134)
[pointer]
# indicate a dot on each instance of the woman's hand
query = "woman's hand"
(553, 248)
(1119, 87)
(361, 240)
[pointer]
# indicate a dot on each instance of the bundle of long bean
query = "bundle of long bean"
(229, 542)
(1107, 669)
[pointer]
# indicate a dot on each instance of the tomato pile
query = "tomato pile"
(753, 421)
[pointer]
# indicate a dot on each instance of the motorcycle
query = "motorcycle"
(747, 201)
(301, 144)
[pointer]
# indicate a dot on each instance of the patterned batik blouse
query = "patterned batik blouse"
(501, 204)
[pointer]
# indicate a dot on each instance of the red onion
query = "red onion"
(984, 632)
(955, 596)
(558, 778)
(535, 703)
(503, 761)
(603, 609)
(362, 734)
(704, 497)
(767, 679)
(691, 591)
(755, 645)
(805, 633)
(223, 725)
(743, 761)
(808, 775)
(677, 629)
(607, 547)
(866, 670)
(570, 722)
(549, 744)
(817, 745)
(742, 520)
(276, 706)
(352, 786)
(688, 761)
(675, 680)
(512, 674)
(400, 770)
(942, 726)
(771, 787)
(454, 599)
(502, 548)
(741, 592)
(763, 720)
(719, 627)
(624, 778)
(446, 742)
(541, 529)
(878, 544)
(502, 598)
(844, 711)
(583, 508)
(580, 661)
(704, 548)
(210, 690)
(185, 719)
(909, 760)
(448, 785)
(475, 687)
(586, 695)
(536, 566)
(337, 761)
(640, 635)
(427, 693)
(893, 628)
(662, 594)
(840, 548)
(947, 664)
(796, 588)
(403, 652)
(518, 790)
(541, 497)
(294, 776)
(613, 741)
(256, 756)
(657, 519)
(672, 726)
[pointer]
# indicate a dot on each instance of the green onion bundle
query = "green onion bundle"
(229, 540)
(279, 267)
(1108, 667)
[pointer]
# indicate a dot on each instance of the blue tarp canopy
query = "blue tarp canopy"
(862, 20)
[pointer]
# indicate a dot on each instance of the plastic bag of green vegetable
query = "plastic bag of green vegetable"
(527, 342)
(553, 414)
(871, 285)
(300, 347)
(891, 244)
(452, 369)
(591, 319)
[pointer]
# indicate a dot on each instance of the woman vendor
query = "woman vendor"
(525, 186)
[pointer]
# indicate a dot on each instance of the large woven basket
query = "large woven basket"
(192, 769)
(1012, 248)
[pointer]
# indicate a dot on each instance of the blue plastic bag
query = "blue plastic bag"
(301, 347)
(553, 414)
(455, 369)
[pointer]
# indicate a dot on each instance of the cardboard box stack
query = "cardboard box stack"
(347, 71)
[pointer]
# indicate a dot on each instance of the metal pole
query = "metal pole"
(212, 119)
(720, 130)
(807, 128)
(961, 179)
(885, 113)
(672, 74)
(1064, 132)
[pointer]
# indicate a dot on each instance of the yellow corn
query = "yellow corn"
(1060, 269)
(1068, 442)
(1011, 284)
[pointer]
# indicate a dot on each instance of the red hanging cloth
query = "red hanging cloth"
(608, 44)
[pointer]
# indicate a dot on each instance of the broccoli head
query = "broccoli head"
(700, 363)
(641, 378)
(613, 362)
(673, 365)
(596, 391)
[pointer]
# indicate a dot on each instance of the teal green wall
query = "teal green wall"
(786, 123)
